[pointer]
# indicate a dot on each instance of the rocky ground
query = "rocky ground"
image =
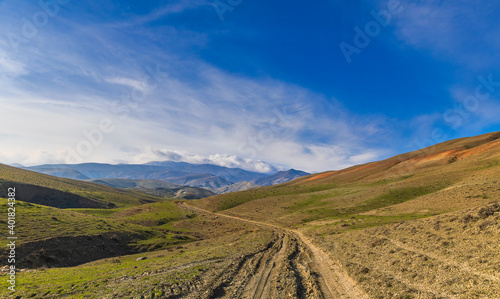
(455, 255)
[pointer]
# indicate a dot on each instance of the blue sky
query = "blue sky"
(270, 84)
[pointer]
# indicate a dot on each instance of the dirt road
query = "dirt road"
(291, 267)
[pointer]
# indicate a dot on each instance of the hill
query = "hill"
(65, 193)
(212, 177)
(280, 177)
(423, 224)
(156, 187)
(241, 186)
(52, 237)
(194, 175)
(366, 187)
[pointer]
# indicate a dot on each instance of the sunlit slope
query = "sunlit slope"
(450, 176)
(50, 236)
(65, 193)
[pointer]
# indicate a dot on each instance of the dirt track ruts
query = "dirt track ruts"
(260, 289)
(334, 282)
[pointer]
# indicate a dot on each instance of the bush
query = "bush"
(468, 218)
(364, 270)
(488, 211)
(484, 225)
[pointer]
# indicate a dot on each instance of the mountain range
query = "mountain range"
(157, 187)
(424, 224)
(217, 179)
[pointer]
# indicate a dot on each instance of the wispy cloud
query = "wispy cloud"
(210, 115)
(458, 30)
(471, 113)
(128, 82)
(163, 11)
(71, 77)
(11, 67)
(216, 159)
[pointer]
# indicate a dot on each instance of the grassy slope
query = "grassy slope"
(147, 228)
(349, 211)
(412, 185)
(36, 222)
(103, 194)
(151, 222)
(418, 225)
(125, 276)
(454, 255)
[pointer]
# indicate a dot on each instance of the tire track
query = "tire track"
(261, 288)
(334, 281)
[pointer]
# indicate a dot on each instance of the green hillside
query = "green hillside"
(416, 184)
(58, 192)
(419, 225)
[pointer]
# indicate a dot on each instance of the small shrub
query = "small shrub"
(484, 225)
(378, 242)
(468, 218)
(488, 211)
(364, 270)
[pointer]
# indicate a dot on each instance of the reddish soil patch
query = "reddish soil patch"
(319, 176)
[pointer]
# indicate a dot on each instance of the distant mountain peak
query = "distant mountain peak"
(207, 176)
(280, 177)
(17, 165)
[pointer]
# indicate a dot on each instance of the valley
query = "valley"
(424, 224)
(168, 177)
(232, 149)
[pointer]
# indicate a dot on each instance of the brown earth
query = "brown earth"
(72, 251)
(50, 197)
(418, 225)
(454, 255)
(323, 276)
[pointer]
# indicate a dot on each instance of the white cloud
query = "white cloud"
(472, 114)
(9, 66)
(132, 83)
(166, 10)
(198, 112)
(316, 158)
(224, 160)
(203, 123)
(459, 31)
(364, 157)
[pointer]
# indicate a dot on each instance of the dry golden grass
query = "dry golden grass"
(417, 225)
(455, 255)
